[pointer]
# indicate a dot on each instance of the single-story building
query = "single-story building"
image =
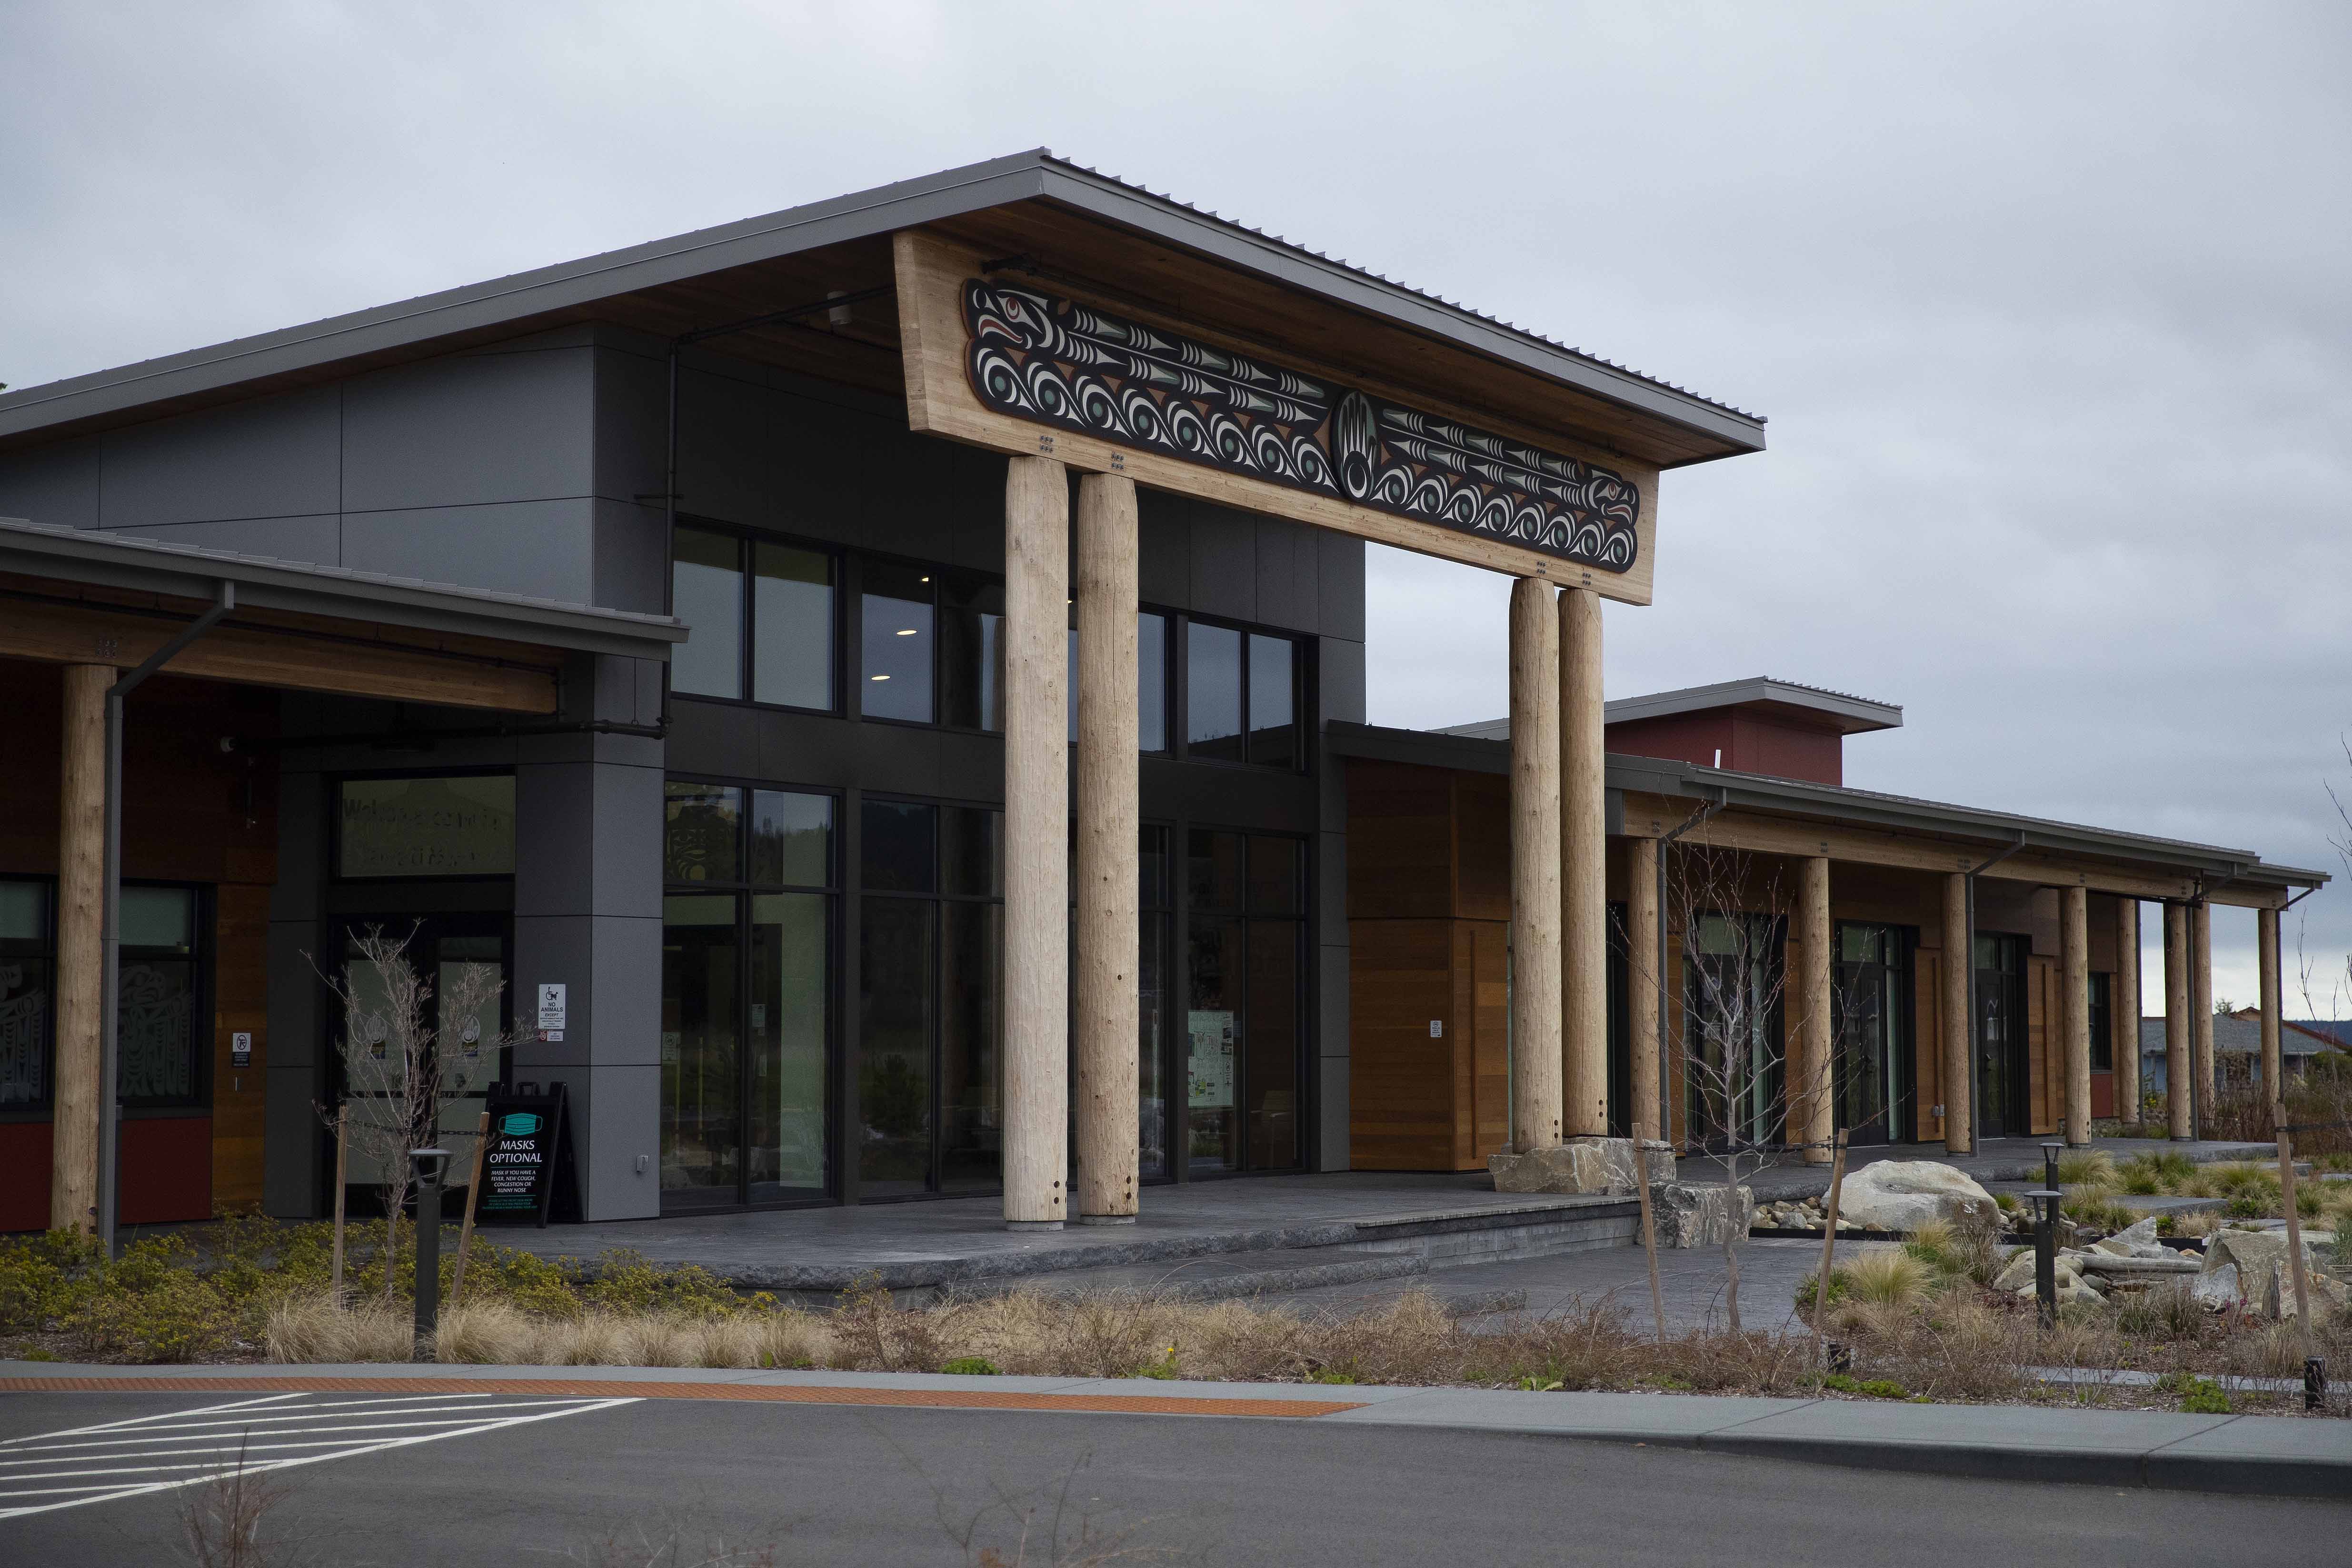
(882, 686)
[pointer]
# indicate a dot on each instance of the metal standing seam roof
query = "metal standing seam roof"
(1864, 713)
(1034, 175)
(104, 559)
(1656, 775)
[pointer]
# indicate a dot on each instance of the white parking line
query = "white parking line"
(188, 1447)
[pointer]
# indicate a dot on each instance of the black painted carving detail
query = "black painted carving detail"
(1036, 356)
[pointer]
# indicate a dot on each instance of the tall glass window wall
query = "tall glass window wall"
(929, 647)
(748, 922)
(1733, 970)
(930, 1014)
(1871, 1007)
(1245, 1026)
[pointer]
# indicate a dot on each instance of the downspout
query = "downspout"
(1665, 1078)
(1967, 956)
(110, 1046)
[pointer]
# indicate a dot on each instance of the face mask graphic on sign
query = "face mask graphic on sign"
(520, 1124)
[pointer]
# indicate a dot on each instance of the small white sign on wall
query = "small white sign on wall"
(1437, 1028)
(551, 1008)
(240, 1049)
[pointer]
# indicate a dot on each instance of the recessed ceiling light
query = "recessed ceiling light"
(878, 678)
(907, 632)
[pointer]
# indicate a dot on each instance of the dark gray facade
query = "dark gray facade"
(537, 467)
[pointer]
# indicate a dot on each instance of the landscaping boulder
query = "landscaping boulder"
(1597, 1165)
(1689, 1214)
(1902, 1195)
(2263, 1274)
(2133, 1241)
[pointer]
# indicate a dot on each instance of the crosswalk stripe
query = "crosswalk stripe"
(165, 1436)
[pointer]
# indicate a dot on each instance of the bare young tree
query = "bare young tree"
(1745, 1091)
(399, 1070)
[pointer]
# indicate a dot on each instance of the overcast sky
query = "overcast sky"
(2048, 305)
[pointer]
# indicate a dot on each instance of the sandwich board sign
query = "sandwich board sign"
(527, 1170)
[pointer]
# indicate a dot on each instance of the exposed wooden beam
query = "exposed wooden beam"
(251, 654)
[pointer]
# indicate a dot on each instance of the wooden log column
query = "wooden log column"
(2074, 961)
(2177, 1066)
(1535, 868)
(1584, 888)
(1812, 1105)
(80, 1098)
(1109, 893)
(1642, 937)
(2266, 950)
(2200, 1005)
(1036, 843)
(2124, 1007)
(1958, 953)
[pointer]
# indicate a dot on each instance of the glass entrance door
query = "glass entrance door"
(1733, 971)
(465, 963)
(2001, 1036)
(1244, 1025)
(1873, 1013)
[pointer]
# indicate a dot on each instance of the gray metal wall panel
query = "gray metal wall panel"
(904, 511)
(728, 463)
(276, 457)
(632, 425)
(1339, 558)
(1340, 677)
(1225, 562)
(295, 1005)
(55, 485)
(616, 1116)
(974, 504)
(1331, 1113)
(470, 428)
(1164, 549)
(544, 548)
(1287, 583)
(316, 540)
(630, 569)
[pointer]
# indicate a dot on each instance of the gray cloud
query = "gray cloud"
(2046, 304)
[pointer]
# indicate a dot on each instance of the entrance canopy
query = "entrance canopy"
(87, 597)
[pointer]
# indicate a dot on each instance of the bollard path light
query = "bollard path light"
(2045, 1252)
(430, 1165)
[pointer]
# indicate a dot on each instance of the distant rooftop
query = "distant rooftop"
(1842, 711)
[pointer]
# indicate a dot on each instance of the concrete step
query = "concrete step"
(1243, 1262)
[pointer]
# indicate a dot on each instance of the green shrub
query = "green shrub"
(2086, 1167)
(2201, 1396)
(175, 1317)
(1876, 1388)
(38, 1277)
(970, 1366)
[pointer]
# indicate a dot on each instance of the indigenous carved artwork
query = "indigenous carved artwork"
(1037, 356)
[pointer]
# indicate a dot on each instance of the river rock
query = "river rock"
(1602, 1165)
(1902, 1195)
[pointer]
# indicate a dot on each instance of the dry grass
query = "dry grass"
(1924, 1326)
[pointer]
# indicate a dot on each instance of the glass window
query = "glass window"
(971, 1128)
(894, 1077)
(1152, 970)
(158, 918)
(25, 969)
(972, 850)
(2103, 1022)
(790, 961)
(701, 1059)
(703, 836)
(971, 653)
(1272, 697)
(461, 826)
(706, 593)
(896, 661)
(1213, 693)
(791, 627)
(155, 997)
(792, 838)
(899, 854)
(1246, 1017)
(1150, 682)
(1732, 1023)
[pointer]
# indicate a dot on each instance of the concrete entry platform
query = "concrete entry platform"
(1242, 1236)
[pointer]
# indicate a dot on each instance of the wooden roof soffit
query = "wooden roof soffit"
(1650, 816)
(1021, 358)
(51, 622)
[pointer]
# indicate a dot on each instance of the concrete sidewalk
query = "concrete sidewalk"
(2262, 1454)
